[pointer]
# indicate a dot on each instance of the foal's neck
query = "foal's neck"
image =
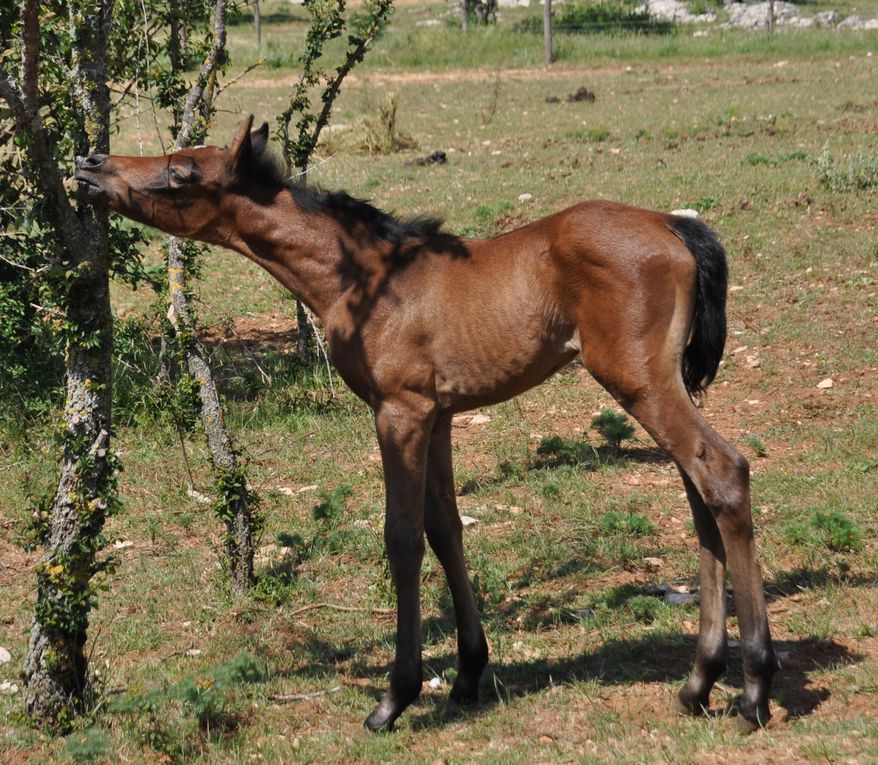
(302, 250)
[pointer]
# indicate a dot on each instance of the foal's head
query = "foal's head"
(185, 193)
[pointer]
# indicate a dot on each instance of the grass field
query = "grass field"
(775, 141)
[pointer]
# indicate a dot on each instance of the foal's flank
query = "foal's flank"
(422, 325)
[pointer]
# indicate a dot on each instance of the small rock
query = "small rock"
(681, 598)
(653, 563)
(309, 487)
(5, 656)
(685, 212)
(122, 544)
(8, 688)
(479, 419)
(525, 197)
(194, 652)
(468, 520)
(827, 383)
(435, 683)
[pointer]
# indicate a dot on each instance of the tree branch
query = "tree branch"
(199, 94)
(27, 120)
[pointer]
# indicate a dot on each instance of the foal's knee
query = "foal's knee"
(405, 549)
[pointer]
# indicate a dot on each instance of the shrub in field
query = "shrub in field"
(645, 608)
(756, 444)
(198, 709)
(628, 523)
(832, 530)
(90, 745)
(555, 451)
(601, 18)
(852, 172)
(379, 133)
(614, 427)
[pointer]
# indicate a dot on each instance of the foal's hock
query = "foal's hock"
(422, 324)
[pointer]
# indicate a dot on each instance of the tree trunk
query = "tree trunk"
(235, 503)
(257, 23)
(547, 31)
(55, 668)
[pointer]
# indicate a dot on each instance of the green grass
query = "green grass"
(585, 655)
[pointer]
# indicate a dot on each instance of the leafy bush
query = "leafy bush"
(756, 444)
(607, 16)
(199, 708)
(87, 746)
(557, 451)
(628, 523)
(856, 172)
(645, 608)
(614, 427)
(832, 530)
(775, 159)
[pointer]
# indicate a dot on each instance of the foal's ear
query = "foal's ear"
(241, 147)
(259, 138)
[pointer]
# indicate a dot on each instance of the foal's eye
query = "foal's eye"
(177, 176)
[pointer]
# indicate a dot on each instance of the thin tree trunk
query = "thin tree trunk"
(257, 23)
(235, 503)
(56, 667)
(306, 341)
(771, 17)
(464, 15)
(547, 31)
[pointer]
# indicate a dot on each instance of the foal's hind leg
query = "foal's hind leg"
(445, 535)
(718, 480)
(712, 653)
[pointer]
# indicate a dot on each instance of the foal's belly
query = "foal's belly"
(469, 377)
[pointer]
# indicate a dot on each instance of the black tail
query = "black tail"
(708, 338)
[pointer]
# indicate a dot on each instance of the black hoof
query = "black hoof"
(752, 716)
(393, 703)
(464, 692)
(689, 703)
(380, 721)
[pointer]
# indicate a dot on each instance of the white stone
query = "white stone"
(435, 683)
(5, 656)
(827, 383)
(8, 689)
(468, 520)
(525, 197)
(686, 212)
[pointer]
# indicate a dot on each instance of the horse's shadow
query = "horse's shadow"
(659, 658)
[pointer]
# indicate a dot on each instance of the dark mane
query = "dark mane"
(270, 168)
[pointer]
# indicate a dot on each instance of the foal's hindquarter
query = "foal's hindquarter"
(618, 285)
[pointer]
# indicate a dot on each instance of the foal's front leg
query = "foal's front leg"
(403, 436)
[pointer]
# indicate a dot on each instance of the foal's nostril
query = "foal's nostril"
(92, 162)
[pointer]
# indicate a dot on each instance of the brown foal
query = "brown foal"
(422, 324)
